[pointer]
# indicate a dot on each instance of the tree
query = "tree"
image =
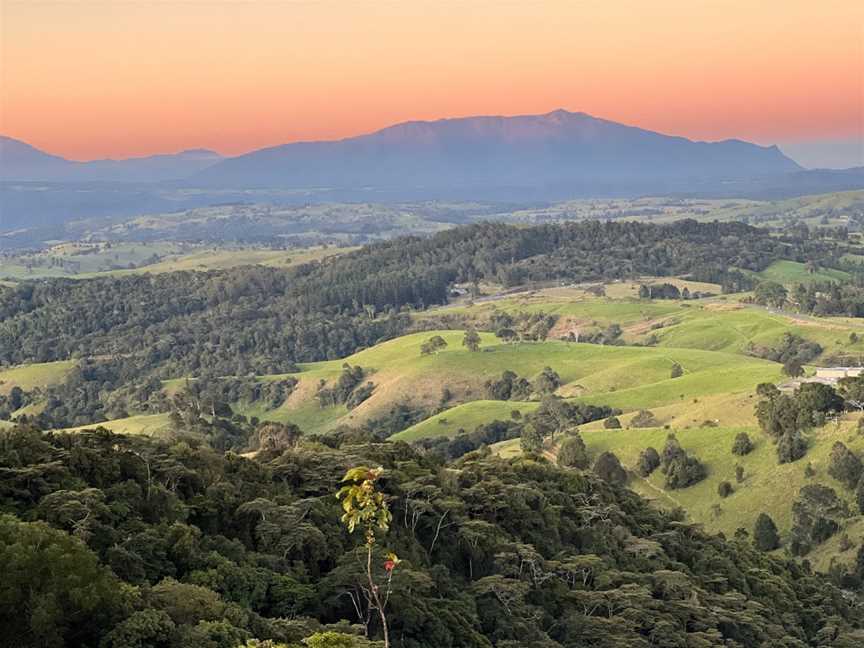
(531, 440)
(433, 345)
(648, 462)
(53, 589)
(791, 447)
(742, 444)
(364, 506)
(724, 489)
(471, 340)
(547, 381)
(506, 334)
(612, 423)
(765, 535)
(844, 465)
(573, 453)
(608, 467)
(677, 370)
(770, 293)
(793, 368)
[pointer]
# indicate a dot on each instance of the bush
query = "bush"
(644, 419)
(648, 462)
(742, 444)
(739, 473)
(765, 535)
(724, 489)
(612, 423)
(844, 466)
(608, 467)
(677, 371)
(572, 453)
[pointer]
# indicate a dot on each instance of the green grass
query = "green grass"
(30, 376)
(628, 378)
(155, 425)
(767, 486)
(87, 260)
(791, 272)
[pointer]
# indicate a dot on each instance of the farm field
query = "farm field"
(84, 261)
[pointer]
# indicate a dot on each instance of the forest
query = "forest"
(116, 541)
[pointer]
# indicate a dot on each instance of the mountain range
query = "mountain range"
(529, 158)
(20, 161)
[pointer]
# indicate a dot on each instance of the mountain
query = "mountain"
(553, 155)
(20, 161)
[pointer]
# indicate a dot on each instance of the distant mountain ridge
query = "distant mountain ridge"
(554, 153)
(20, 161)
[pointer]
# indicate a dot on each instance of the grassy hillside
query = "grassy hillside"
(792, 272)
(625, 377)
(143, 424)
(28, 377)
(87, 260)
(767, 486)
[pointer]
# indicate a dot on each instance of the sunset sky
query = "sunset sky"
(88, 79)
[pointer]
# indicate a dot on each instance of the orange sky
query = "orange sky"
(89, 79)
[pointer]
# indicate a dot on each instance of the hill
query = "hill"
(20, 162)
(559, 153)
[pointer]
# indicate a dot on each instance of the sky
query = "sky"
(117, 78)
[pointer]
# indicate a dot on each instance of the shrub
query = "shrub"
(765, 535)
(612, 423)
(644, 419)
(648, 462)
(844, 466)
(742, 444)
(724, 489)
(677, 371)
(739, 473)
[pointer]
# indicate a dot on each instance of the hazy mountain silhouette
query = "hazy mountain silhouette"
(559, 152)
(20, 161)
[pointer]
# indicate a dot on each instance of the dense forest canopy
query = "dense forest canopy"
(117, 541)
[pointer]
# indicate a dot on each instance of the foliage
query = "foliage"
(844, 465)
(742, 444)
(572, 453)
(765, 535)
(222, 548)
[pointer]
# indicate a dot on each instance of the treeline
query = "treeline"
(816, 298)
(115, 541)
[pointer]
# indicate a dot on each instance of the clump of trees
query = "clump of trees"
(681, 469)
(609, 468)
(349, 388)
(509, 386)
(844, 465)
(433, 345)
(785, 416)
(572, 453)
(817, 514)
